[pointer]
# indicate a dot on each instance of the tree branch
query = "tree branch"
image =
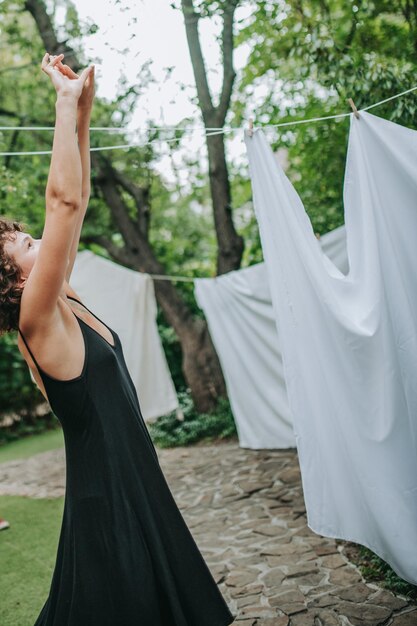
(47, 33)
(137, 252)
(106, 175)
(228, 69)
(191, 27)
(26, 118)
(14, 68)
(13, 143)
(108, 178)
(353, 27)
(118, 254)
(141, 197)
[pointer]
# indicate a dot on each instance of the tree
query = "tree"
(129, 204)
(230, 244)
(313, 56)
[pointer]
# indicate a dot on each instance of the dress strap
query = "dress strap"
(93, 314)
(30, 351)
(40, 370)
(27, 345)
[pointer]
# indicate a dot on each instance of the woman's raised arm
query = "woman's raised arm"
(85, 105)
(63, 202)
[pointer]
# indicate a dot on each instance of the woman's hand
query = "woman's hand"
(85, 102)
(64, 86)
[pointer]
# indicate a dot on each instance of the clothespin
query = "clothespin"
(250, 127)
(354, 109)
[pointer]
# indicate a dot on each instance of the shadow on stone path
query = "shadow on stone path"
(246, 512)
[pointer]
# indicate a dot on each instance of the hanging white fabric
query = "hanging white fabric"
(349, 343)
(239, 313)
(125, 300)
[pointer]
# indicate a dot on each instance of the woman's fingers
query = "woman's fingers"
(71, 73)
(86, 73)
(65, 69)
(45, 61)
(49, 61)
(54, 59)
(65, 79)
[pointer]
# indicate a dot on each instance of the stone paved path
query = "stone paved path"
(246, 512)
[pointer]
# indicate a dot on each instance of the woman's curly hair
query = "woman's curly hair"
(10, 274)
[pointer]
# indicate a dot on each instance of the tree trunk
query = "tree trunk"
(230, 244)
(200, 364)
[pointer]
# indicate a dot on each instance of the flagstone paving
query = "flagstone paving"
(246, 511)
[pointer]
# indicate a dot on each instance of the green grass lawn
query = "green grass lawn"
(27, 556)
(27, 446)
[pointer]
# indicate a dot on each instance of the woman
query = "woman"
(125, 555)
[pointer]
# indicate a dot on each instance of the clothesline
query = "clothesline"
(215, 131)
(176, 278)
(102, 148)
(126, 130)
(329, 117)
(208, 131)
(190, 279)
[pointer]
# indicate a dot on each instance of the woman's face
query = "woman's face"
(24, 250)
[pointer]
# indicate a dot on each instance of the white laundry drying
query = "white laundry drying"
(349, 342)
(239, 314)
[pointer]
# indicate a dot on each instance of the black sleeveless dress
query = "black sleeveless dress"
(125, 554)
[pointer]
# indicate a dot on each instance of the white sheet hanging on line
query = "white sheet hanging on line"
(239, 313)
(125, 300)
(349, 343)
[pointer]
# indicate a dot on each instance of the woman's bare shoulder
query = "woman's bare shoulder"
(50, 341)
(27, 322)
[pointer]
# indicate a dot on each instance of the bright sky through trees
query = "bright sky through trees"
(130, 33)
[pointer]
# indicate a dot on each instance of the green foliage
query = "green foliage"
(173, 353)
(182, 237)
(168, 430)
(27, 424)
(316, 162)
(19, 396)
(374, 569)
(307, 59)
(304, 60)
(181, 228)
